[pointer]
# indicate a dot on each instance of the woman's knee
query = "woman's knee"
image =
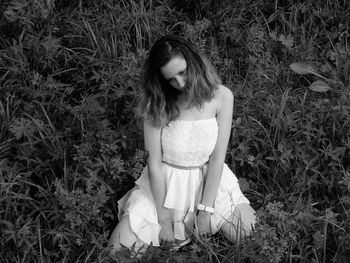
(240, 224)
(114, 240)
(122, 236)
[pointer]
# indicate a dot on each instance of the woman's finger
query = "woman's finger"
(163, 242)
(205, 235)
(166, 243)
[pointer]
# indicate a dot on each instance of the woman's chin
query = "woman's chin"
(180, 88)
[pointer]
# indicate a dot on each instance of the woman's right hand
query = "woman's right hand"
(166, 234)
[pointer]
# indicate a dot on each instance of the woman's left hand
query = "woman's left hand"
(203, 224)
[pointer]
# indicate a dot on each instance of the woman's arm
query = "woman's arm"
(152, 138)
(155, 169)
(217, 158)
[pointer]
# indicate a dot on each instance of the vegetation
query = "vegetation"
(70, 144)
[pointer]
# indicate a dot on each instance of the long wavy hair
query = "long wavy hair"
(158, 99)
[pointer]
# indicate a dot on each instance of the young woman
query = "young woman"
(186, 187)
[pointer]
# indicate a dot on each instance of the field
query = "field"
(71, 145)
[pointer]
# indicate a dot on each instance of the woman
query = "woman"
(186, 187)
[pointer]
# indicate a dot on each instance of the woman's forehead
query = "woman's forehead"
(175, 65)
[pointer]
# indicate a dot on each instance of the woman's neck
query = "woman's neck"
(182, 100)
(183, 97)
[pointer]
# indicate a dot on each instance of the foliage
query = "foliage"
(71, 145)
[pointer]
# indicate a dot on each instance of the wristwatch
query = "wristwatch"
(205, 208)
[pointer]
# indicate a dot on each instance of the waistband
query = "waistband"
(186, 167)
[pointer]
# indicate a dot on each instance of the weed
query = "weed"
(70, 145)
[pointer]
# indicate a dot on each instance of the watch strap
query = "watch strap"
(205, 208)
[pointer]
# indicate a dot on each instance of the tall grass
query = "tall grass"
(70, 145)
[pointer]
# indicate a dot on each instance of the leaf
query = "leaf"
(319, 86)
(21, 127)
(10, 15)
(256, 32)
(302, 68)
(244, 184)
(10, 226)
(318, 239)
(341, 107)
(287, 41)
(273, 35)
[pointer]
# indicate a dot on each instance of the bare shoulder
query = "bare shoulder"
(224, 97)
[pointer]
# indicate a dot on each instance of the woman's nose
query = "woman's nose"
(180, 82)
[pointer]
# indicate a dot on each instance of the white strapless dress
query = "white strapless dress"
(186, 147)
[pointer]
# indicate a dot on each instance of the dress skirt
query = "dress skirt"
(183, 192)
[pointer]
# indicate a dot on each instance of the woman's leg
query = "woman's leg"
(123, 236)
(240, 224)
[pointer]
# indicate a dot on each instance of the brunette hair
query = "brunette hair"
(157, 102)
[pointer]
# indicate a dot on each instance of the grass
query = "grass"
(69, 73)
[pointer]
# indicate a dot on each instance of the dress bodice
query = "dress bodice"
(189, 143)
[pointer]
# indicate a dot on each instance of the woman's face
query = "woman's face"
(175, 72)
